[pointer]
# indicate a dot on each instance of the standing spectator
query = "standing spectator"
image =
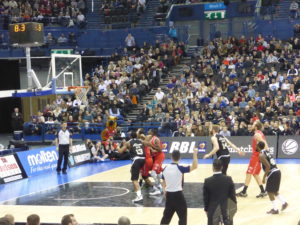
(159, 95)
(294, 9)
(173, 33)
(17, 120)
(33, 219)
(63, 144)
(141, 6)
(81, 20)
(172, 185)
(130, 42)
(215, 196)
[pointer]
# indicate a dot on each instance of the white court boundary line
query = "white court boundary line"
(98, 198)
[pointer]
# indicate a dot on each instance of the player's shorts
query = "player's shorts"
(136, 166)
(254, 166)
(225, 162)
(158, 160)
(273, 181)
(147, 167)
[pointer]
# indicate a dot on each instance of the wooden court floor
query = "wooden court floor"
(251, 211)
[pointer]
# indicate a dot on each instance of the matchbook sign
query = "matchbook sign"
(9, 169)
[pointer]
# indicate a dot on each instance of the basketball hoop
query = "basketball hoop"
(80, 93)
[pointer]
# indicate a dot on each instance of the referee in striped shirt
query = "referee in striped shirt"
(172, 185)
(63, 144)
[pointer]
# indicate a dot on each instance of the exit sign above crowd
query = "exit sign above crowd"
(215, 15)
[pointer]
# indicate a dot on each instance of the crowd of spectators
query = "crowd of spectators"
(62, 39)
(233, 82)
(62, 12)
(115, 11)
(114, 90)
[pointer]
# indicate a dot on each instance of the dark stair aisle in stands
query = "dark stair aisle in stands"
(147, 18)
(174, 71)
(95, 20)
(283, 9)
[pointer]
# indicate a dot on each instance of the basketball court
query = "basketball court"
(101, 193)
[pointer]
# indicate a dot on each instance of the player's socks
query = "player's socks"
(244, 191)
(281, 199)
(139, 193)
(261, 188)
(283, 202)
(274, 205)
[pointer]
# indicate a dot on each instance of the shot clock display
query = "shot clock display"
(26, 34)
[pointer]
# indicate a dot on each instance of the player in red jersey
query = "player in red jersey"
(254, 166)
(148, 160)
(158, 158)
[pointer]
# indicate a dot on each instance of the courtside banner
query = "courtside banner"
(288, 147)
(10, 169)
(186, 145)
(79, 154)
(38, 161)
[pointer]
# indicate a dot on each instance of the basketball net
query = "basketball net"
(81, 93)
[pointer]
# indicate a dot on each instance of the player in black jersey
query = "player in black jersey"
(137, 155)
(221, 147)
(273, 176)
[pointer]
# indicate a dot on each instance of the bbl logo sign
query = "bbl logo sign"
(289, 147)
(185, 146)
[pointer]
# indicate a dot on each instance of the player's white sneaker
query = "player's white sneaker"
(155, 192)
(138, 199)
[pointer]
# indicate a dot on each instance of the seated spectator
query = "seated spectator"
(72, 38)
(73, 126)
(50, 40)
(10, 218)
(225, 132)
(124, 221)
(33, 219)
(62, 39)
(97, 151)
(69, 219)
(33, 128)
(5, 221)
